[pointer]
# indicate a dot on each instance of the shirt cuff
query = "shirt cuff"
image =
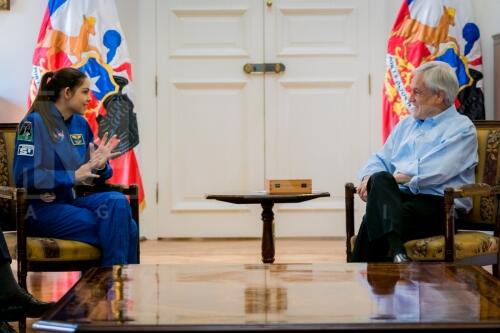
(413, 185)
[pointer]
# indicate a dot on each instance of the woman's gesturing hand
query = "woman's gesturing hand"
(104, 152)
(84, 175)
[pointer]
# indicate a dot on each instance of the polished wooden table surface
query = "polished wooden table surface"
(267, 202)
(263, 297)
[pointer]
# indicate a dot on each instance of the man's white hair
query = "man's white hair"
(439, 76)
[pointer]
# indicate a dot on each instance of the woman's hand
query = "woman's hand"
(104, 152)
(84, 175)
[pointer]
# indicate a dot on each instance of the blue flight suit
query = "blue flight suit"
(45, 167)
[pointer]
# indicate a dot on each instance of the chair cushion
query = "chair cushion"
(467, 244)
(52, 249)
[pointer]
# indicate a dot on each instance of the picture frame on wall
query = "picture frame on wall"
(4, 4)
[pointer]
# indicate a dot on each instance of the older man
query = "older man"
(403, 184)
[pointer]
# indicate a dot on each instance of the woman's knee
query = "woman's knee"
(134, 229)
(111, 202)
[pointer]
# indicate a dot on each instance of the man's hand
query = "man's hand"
(99, 156)
(362, 189)
(401, 178)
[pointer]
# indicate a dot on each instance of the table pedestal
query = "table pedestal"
(267, 233)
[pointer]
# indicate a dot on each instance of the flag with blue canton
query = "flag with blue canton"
(86, 34)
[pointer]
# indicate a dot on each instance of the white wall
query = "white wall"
(486, 13)
(18, 33)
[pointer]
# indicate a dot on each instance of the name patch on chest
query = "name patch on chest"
(26, 150)
(77, 139)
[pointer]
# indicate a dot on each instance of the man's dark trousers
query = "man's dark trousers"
(390, 210)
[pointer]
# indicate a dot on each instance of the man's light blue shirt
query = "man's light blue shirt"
(437, 153)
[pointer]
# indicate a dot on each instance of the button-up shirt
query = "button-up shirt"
(437, 153)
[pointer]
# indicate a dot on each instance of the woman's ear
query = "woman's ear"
(67, 93)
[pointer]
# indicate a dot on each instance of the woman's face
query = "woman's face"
(79, 98)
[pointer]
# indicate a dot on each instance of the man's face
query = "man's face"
(426, 103)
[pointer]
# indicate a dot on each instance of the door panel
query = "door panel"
(210, 116)
(317, 110)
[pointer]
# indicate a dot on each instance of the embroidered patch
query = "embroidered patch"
(77, 139)
(26, 150)
(59, 135)
(25, 132)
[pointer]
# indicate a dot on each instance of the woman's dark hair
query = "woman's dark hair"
(51, 86)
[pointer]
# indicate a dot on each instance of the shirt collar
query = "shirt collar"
(56, 113)
(439, 118)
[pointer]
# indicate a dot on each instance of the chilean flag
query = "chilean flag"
(86, 34)
(427, 30)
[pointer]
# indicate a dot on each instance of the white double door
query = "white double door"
(223, 131)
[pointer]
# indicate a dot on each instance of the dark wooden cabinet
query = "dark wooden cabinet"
(496, 52)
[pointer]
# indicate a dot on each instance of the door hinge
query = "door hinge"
(156, 85)
(369, 84)
(157, 192)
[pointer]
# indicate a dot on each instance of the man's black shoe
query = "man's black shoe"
(23, 303)
(400, 258)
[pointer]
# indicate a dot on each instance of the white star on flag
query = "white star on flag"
(93, 84)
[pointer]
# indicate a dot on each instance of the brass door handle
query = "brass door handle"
(264, 68)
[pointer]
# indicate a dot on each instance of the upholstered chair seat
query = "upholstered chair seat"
(53, 249)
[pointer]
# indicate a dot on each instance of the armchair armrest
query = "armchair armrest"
(7, 192)
(350, 189)
(129, 190)
(471, 190)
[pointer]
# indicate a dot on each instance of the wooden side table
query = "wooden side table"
(267, 202)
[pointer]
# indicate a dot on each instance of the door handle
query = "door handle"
(264, 68)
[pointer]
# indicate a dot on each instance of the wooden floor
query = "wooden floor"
(52, 286)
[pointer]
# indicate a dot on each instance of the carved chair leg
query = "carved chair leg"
(22, 274)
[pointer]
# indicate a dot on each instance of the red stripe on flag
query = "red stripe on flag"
(44, 26)
(126, 171)
(126, 66)
(476, 62)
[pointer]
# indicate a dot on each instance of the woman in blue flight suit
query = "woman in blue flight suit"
(54, 151)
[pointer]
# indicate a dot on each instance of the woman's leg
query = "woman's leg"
(63, 221)
(118, 232)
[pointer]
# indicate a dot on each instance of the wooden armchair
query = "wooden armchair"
(40, 254)
(471, 239)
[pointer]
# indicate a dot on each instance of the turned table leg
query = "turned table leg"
(267, 233)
